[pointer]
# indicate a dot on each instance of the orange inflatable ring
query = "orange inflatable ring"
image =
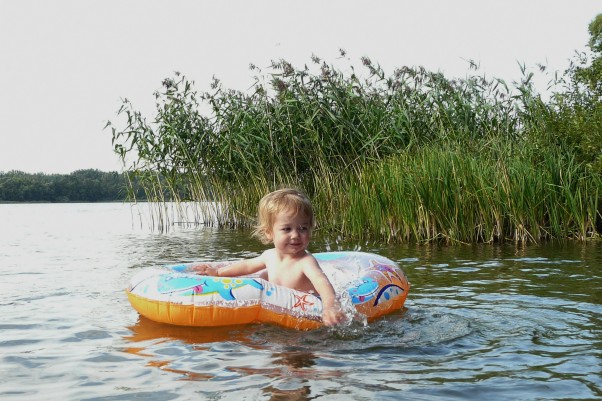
(373, 284)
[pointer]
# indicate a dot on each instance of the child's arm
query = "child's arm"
(238, 268)
(331, 310)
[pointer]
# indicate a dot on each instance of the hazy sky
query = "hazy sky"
(65, 64)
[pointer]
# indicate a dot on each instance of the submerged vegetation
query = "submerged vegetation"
(411, 156)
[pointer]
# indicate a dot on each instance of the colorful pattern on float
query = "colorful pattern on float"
(375, 286)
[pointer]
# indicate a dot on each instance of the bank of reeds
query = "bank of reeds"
(409, 157)
(448, 195)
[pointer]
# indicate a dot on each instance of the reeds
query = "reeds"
(409, 157)
(448, 195)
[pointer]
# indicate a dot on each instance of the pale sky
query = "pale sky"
(65, 64)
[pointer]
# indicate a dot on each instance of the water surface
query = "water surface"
(481, 322)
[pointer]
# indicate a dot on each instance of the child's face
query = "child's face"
(290, 233)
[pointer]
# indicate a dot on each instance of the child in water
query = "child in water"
(286, 219)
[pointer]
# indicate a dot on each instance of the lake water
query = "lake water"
(481, 322)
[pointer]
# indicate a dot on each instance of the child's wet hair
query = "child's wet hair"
(287, 200)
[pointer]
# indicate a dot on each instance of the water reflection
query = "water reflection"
(147, 330)
(291, 365)
(164, 345)
(292, 372)
(248, 353)
(277, 394)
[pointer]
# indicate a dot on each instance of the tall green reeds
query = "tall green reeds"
(413, 156)
(451, 196)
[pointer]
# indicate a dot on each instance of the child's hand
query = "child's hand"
(333, 316)
(205, 270)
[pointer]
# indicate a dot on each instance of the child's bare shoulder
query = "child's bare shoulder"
(309, 261)
(268, 257)
(268, 254)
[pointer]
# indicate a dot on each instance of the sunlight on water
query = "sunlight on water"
(480, 322)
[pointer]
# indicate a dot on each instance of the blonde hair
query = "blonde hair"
(283, 200)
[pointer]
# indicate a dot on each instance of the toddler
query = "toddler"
(286, 219)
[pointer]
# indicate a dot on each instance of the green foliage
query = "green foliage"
(301, 125)
(412, 156)
(591, 74)
(452, 195)
(79, 186)
(572, 119)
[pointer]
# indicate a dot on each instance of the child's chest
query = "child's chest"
(287, 275)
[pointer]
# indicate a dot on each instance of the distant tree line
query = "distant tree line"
(79, 186)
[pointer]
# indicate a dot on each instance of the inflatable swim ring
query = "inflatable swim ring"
(374, 285)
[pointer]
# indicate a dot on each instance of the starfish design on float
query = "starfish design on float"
(301, 301)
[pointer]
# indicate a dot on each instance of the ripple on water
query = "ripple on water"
(87, 335)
